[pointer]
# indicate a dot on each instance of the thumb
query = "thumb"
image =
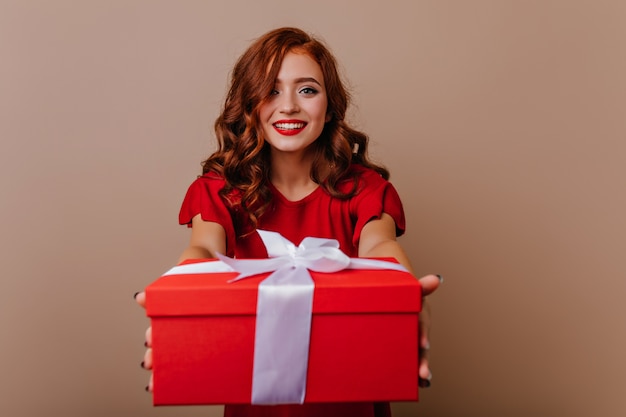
(140, 297)
(430, 283)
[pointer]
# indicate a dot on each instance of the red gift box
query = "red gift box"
(363, 343)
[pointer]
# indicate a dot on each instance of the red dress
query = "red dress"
(317, 215)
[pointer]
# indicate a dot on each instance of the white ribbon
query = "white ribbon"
(284, 308)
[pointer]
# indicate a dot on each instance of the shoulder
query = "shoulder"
(211, 186)
(372, 189)
(367, 173)
(374, 196)
(212, 182)
(366, 179)
(211, 178)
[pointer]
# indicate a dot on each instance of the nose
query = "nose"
(289, 104)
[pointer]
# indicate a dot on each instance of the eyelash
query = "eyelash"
(305, 90)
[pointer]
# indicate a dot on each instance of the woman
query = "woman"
(288, 162)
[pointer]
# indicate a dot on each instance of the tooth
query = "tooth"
(290, 126)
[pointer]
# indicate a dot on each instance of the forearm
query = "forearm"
(388, 249)
(195, 252)
(378, 240)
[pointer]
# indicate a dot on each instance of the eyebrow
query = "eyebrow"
(302, 80)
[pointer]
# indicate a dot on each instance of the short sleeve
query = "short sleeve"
(203, 198)
(376, 196)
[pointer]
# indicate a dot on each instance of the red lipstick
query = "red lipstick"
(289, 127)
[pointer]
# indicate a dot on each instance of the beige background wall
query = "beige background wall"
(503, 123)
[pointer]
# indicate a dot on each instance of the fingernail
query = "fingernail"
(440, 278)
(143, 364)
(147, 388)
(135, 295)
(145, 344)
(424, 383)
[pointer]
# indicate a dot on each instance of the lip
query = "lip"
(289, 127)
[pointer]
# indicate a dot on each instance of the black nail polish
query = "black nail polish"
(145, 344)
(424, 383)
(147, 388)
(135, 295)
(143, 364)
(440, 278)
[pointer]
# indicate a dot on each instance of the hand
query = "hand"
(140, 297)
(429, 284)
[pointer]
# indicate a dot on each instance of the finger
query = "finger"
(150, 386)
(424, 371)
(147, 359)
(424, 339)
(424, 364)
(430, 283)
(424, 326)
(424, 368)
(149, 337)
(140, 297)
(424, 346)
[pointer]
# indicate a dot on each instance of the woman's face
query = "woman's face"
(295, 114)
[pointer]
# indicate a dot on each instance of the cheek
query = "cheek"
(265, 111)
(322, 110)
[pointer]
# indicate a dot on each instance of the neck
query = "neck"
(291, 175)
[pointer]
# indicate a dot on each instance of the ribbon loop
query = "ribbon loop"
(276, 244)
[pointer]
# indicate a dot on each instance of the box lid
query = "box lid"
(347, 291)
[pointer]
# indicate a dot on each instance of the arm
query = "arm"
(207, 238)
(378, 239)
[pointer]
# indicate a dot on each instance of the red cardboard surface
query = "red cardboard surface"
(363, 347)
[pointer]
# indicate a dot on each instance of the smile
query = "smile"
(289, 127)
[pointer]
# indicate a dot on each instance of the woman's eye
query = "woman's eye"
(273, 92)
(308, 90)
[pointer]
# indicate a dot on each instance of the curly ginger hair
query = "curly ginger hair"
(243, 156)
